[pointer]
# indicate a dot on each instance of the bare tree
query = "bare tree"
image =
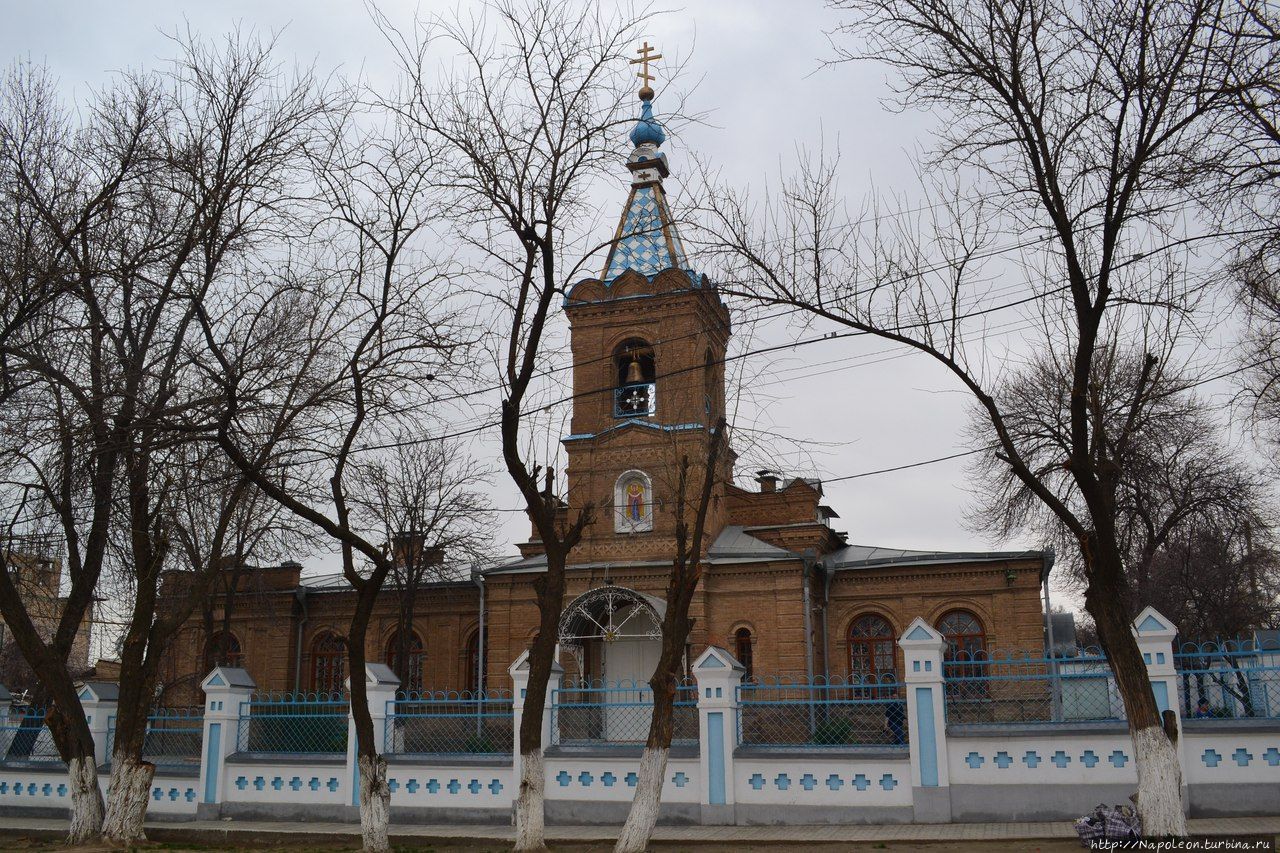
(168, 181)
(682, 583)
(347, 348)
(425, 497)
(56, 203)
(1086, 160)
(1177, 472)
(529, 113)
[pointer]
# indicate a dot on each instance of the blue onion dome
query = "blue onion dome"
(647, 128)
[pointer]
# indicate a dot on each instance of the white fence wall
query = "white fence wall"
(1001, 771)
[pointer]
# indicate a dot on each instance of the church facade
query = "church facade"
(780, 587)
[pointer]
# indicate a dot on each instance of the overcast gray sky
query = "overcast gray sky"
(758, 63)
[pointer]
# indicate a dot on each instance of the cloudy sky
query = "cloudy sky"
(760, 78)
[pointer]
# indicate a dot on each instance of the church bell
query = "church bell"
(634, 375)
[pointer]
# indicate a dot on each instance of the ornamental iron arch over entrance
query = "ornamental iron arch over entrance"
(603, 617)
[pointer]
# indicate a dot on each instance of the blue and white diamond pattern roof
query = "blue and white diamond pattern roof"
(643, 243)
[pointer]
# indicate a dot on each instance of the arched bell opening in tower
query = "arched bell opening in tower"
(635, 393)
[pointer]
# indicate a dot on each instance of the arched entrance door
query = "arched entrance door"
(614, 636)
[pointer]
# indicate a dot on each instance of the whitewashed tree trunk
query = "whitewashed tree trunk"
(643, 816)
(127, 800)
(1159, 784)
(375, 804)
(530, 820)
(86, 801)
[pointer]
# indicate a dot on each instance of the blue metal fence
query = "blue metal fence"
(450, 723)
(172, 740)
(991, 687)
(306, 723)
(835, 712)
(1228, 679)
(604, 713)
(24, 738)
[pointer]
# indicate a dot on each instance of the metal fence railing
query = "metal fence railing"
(308, 723)
(600, 713)
(173, 738)
(777, 712)
(1228, 679)
(24, 738)
(989, 687)
(450, 723)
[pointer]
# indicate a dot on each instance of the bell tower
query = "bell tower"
(648, 339)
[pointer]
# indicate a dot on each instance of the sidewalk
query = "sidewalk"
(259, 832)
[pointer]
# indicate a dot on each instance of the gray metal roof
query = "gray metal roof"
(337, 582)
(237, 677)
(733, 545)
(5, 695)
(872, 556)
(106, 691)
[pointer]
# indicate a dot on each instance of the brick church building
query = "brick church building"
(780, 586)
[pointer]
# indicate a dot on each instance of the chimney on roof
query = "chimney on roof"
(767, 479)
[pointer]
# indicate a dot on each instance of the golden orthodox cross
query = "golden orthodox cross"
(646, 56)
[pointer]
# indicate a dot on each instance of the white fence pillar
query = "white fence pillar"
(224, 689)
(1155, 636)
(99, 700)
(519, 671)
(922, 649)
(381, 685)
(718, 675)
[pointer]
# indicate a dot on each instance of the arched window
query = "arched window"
(633, 503)
(742, 650)
(634, 394)
(412, 679)
(871, 650)
(328, 663)
(966, 644)
(473, 677)
(964, 635)
(223, 649)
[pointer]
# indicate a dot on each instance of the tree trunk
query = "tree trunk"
(1159, 772)
(530, 819)
(643, 815)
(86, 800)
(375, 803)
(127, 799)
(375, 795)
(529, 801)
